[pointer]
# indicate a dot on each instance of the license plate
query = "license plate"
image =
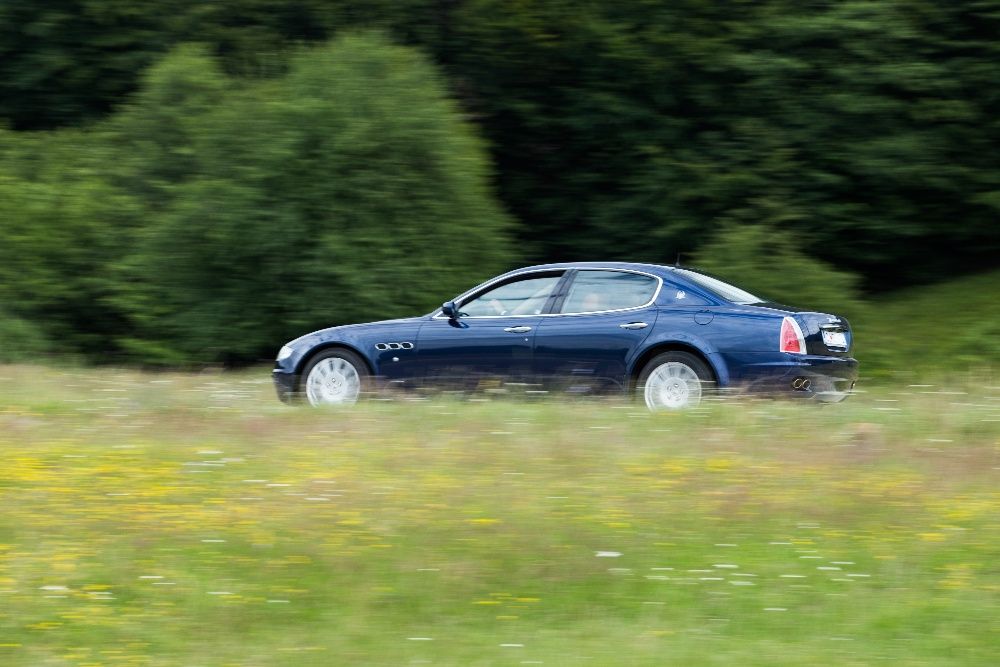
(834, 338)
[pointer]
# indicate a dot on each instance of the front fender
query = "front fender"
(362, 339)
(348, 342)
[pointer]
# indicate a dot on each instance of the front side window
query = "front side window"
(595, 291)
(526, 296)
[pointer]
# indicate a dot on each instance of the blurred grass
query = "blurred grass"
(171, 519)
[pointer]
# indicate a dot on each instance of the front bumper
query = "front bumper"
(286, 384)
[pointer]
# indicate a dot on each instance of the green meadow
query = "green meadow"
(191, 519)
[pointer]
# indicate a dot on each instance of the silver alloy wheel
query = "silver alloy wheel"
(333, 381)
(672, 386)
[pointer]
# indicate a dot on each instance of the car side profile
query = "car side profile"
(667, 335)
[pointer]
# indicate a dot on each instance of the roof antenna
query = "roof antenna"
(678, 262)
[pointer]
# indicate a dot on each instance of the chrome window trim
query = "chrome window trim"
(656, 293)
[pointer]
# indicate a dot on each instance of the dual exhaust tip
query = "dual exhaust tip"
(801, 384)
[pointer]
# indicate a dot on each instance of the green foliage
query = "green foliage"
(63, 62)
(770, 264)
(155, 133)
(348, 190)
(214, 217)
(951, 327)
(867, 128)
(60, 237)
(638, 129)
(20, 340)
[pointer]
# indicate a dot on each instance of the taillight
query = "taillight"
(792, 339)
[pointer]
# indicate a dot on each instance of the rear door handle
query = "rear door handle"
(634, 325)
(517, 329)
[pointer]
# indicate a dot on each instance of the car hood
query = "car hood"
(334, 332)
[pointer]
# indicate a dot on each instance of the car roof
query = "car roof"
(657, 269)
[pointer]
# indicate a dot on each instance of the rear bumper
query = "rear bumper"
(827, 379)
(285, 384)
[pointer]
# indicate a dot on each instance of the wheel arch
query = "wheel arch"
(330, 345)
(719, 372)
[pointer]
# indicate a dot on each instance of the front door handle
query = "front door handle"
(634, 325)
(517, 329)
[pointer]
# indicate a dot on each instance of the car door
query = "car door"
(597, 323)
(490, 343)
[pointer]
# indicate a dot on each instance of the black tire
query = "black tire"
(680, 381)
(334, 377)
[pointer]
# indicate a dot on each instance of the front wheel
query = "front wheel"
(334, 377)
(674, 381)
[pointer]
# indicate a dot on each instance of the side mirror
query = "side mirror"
(450, 310)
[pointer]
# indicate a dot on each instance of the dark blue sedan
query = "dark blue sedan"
(669, 335)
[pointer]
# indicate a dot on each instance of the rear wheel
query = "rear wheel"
(674, 381)
(335, 377)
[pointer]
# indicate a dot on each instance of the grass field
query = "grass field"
(168, 519)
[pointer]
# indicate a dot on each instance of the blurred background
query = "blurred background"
(189, 184)
(192, 182)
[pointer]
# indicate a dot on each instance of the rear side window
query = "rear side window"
(596, 291)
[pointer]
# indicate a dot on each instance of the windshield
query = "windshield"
(719, 288)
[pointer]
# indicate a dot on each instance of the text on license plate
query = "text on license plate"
(834, 339)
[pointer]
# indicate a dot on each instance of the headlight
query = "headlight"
(284, 353)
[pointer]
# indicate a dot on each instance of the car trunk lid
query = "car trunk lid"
(827, 335)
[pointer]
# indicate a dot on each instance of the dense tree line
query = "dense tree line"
(212, 218)
(860, 133)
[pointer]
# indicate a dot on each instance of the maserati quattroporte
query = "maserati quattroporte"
(670, 336)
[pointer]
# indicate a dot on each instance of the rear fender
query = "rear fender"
(680, 340)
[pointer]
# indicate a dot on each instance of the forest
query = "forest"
(194, 183)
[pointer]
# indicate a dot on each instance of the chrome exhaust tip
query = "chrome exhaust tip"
(801, 384)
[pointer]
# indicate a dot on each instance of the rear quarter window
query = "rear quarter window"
(719, 288)
(676, 295)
